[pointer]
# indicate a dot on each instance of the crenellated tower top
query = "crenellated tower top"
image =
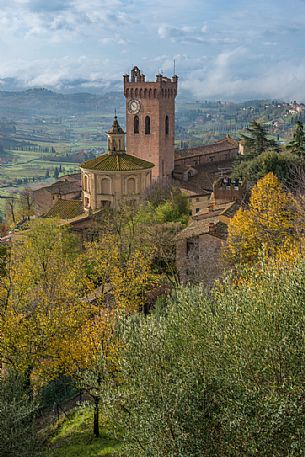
(135, 85)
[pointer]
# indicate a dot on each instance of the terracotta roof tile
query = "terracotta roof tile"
(66, 209)
(118, 162)
(226, 144)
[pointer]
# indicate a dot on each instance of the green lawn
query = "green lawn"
(74, 438)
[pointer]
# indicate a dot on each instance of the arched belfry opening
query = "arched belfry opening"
(147, 125)
(136, 125)
(166, 125)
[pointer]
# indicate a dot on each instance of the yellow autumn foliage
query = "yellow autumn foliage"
(267, 228)
(59, 307)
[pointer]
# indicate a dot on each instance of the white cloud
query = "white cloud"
(222, 79)
(57, 20)
(222, 49)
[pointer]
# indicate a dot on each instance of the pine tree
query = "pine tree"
(297, 144)
(256, 140)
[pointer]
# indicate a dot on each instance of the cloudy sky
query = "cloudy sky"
(225, 49)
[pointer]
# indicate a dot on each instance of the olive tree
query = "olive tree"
(218, 374)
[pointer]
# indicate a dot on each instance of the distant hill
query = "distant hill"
(44, 102)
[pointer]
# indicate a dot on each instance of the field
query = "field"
(43, 145)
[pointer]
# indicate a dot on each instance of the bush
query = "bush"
(218, 375)
(18, 436)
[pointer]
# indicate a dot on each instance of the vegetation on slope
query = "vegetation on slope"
(73, 438)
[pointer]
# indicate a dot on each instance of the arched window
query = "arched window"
(136, 124)
(166, 125)
(86, 185)
(147, 125)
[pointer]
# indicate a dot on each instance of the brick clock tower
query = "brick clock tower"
(150, 120)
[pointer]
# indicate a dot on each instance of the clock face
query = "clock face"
(134, 106)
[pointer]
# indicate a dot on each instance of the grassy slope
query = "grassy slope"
(74, 438)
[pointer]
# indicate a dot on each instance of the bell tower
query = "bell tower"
(150, 120)
(116, 138)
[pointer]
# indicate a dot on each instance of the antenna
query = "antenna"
(174, 67)
(114, 112)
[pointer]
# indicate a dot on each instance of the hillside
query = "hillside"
(43, 102)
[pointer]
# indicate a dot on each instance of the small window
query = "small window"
(147, 125)
(197, 210)
(166, 125)
(136, 124)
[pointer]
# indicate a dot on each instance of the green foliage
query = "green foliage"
(256, 139)
(297, 144)
(175, 209)
(218, 375)
(73, 438)
(18, 437)
(57, 391)
(4, 250)
(284, 166)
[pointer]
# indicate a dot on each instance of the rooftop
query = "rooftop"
(117, 162)
(207, 175)
(214, 223)
(116, 127)
(226, 144)
(62, 187)
(66, 209)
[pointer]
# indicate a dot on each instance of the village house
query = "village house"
(199, 245)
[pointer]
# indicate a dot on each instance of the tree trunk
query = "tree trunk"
(96, 429)
(27, 381)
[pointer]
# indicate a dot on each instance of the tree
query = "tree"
(297, 144)
(26, 204)
(285, 166)
(39, 301)
(224, 377)
(18, 437)
(11, 210)
(266, 227)
(256, 140)
(115, 285)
